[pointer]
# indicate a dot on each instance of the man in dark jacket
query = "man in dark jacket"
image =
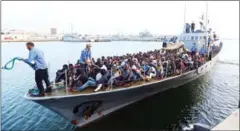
(192, 26)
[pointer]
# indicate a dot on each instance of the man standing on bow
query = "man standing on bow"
(86, 59)
(40, 67)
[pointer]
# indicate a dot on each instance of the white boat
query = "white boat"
(75, 38)
(84, 107)
(71, 105)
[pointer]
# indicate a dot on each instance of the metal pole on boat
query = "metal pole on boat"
(166, 70)
(50, 73)
(66, 82)
(144, 75)
(111, 78)
(206, 28)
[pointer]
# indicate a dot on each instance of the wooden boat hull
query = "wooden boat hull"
(72, 107)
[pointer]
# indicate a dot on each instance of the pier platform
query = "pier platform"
(230, 123)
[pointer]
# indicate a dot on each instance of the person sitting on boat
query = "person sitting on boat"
(148, 70)
(165, 66)
(70, 73)
(172, 67)
(103, 80)
(203, 51)
(91, 81)
(197, 62)
(183, 66)
(41, 70)
(162, 52)
(153, 61)
(114, 75)
(60, 74)
(77, 80)
(188, 61)
(82, 78)
(136, 73)
(125, 76)
(73, 78)
(178, 66)
(86, 58)
(98, 62)
(159, 69)
(153, 72)
(136, 68)
(202, 60)
(77, 65)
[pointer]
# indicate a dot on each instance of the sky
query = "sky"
(111, 17)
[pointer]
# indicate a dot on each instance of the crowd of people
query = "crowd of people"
(118, 71)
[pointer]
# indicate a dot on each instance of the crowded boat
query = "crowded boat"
(108, 73)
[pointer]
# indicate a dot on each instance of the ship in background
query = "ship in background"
(75, 37)
(23, 36)
(84, 38)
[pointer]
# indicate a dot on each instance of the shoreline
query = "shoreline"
(30, 40)
(70, 41)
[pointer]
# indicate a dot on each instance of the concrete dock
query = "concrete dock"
(230, 123)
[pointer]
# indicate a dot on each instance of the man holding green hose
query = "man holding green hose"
(40, 67)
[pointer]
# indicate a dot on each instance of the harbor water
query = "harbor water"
(207, 100)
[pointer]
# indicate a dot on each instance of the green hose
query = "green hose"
(12, 63)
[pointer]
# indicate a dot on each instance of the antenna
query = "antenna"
(71, 28)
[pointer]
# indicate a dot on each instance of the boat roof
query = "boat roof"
(174, 46)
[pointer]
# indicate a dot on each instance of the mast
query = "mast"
(207, 29)
(184, 24)
(206, 23)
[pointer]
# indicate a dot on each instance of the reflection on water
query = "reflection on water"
(207, 100)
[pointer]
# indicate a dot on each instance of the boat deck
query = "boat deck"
(63, 92)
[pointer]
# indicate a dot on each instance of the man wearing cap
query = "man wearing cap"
(40, 67)
(86, 58)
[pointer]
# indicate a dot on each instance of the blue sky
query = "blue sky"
(110, 17)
